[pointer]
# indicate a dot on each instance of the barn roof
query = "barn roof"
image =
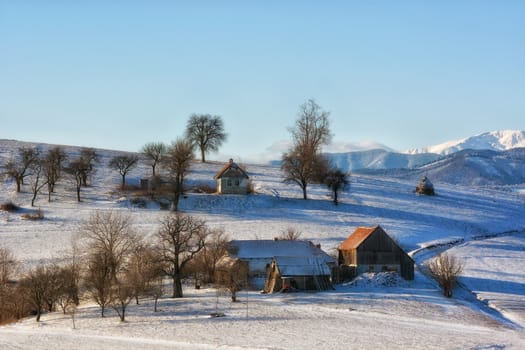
(231, 165)
(301, 266)
(267, 249)
(357, 237)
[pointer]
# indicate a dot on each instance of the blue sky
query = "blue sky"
(119, 74)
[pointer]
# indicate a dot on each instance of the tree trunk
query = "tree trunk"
(175, 203)
(335, 197)
(33, 199)
(177, 287)
(304, 192)
(155, 307)
(38, 313)
(203, 157)
(18, 184)
(123, 314)
(78, 193)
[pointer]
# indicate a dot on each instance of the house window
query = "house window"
(236, 182)
(229, 183)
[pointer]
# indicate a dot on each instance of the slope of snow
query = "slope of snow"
(493, 271)
(370, 313)
(495, 140)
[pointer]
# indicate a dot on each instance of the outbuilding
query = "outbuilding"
(286, 274)
(259, 255)
(371, 249)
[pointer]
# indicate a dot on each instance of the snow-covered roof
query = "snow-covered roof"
(301, 266)
(260, 249)
(237, 171)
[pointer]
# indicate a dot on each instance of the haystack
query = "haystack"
(425, 187)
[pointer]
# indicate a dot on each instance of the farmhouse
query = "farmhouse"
(371, 249)
(232, 179)
(260, 254)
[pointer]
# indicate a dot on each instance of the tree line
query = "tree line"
(303, 164)
(118, 266)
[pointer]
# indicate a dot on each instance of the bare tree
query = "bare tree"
(111, 234)
(206, 132)
(122, 294)
(203, 265)
(231, 274)
(155, 289)
(98, 280)
(38, 181)
(124, 164)
(18, 168)
(143, 268)
(88, 158)
(154, 151)
(304, 163)
(290, 234)
(303, 167)
(446, 269)
(177, 162)
(336, 180)
(110, 240)
(38, 286)
(312, 127)
(8, 269)
(77, 169)
(179, 239)
(53, 163)
(67, 287)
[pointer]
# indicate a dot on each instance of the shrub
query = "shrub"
(446, 269)
(9, 207)
(36, 215)
(205, 188)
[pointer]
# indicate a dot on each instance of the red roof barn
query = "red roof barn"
(371, 249)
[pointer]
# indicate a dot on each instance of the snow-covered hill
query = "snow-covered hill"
(411, 314)
(495, 141)
(467, 168)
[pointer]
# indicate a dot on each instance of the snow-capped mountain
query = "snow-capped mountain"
(380, 159)
(495, 141)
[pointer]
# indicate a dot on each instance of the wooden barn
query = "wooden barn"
(371, 249)
(286, 274)
(259, 254)
(232, 179)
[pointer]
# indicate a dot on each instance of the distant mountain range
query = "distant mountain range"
(495, 141)
(492, 158)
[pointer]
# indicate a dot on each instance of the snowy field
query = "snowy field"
(374, 312)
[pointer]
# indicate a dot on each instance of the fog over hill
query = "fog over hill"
(380, 159)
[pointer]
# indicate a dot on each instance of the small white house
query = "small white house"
(232, 179)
